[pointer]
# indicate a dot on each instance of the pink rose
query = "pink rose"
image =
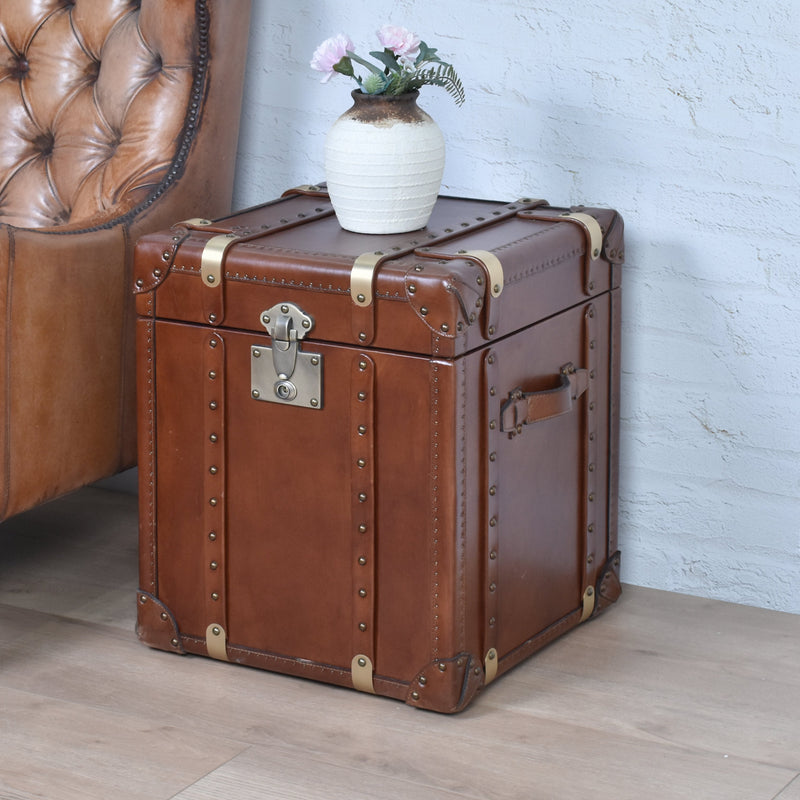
(400, 41)
(330, 53)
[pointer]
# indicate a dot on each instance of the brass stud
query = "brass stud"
(139, 282)
(362, 561)
(214, 596)
(362, 365)
(362, 396)
(492, 425)
(212, 318)
(213, 501)
(491, 359)
(213, 470)
(492, 622)
(424, 311)
(213, 437)
(362, 626)
(442, 666)
(362, 336)
(445, 327)
(415, 695)
(142, 599)
(212, 536)
(212, 343)
(491, 330)
(284, 309)
(362, 429)
(174, 642)
(493, 522)
(412, 288)
(213, 405)
(590, 591)
(157, 273)
(361, 298)
(422, 680)
(590, 560)
(256, 354)
(492, 491)
(361, 463)
(493, 555)
(255, 394)
(492, 456)
(164, 616)
(216, 631)
(362, 592)
(213, 565)
(362, 497)
(362, 662)
(493, 587)
(212, 375)
(315, 361)
(210, 278)
(313, 402)
(165, 255)
(362, 528)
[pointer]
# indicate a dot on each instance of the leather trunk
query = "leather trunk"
(384, 462)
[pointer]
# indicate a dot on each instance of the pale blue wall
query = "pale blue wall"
(685, 117)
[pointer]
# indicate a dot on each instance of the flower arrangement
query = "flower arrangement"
(406, 64)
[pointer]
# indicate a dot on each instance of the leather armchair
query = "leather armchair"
(117, 117)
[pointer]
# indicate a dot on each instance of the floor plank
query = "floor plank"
(664, 697)
(792, 791)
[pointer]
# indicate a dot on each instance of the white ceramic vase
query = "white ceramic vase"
(384, 159)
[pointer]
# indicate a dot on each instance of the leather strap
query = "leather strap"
(594, 549)
(593, 234)
(525, 408)
(492, 517)
(362, 447)
(215, 600)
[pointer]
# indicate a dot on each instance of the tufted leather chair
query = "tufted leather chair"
(117, 117)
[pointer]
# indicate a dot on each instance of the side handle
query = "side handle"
(524, 408)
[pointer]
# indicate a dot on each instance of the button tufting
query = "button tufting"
(21, 68)
(43, 144)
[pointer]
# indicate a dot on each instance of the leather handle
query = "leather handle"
(524, 408)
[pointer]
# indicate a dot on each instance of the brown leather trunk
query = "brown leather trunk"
(384, 462)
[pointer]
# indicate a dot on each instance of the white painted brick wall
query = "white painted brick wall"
(685, 117)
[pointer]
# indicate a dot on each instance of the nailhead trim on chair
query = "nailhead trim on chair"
(19, 68)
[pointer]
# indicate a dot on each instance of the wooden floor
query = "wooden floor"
(665, 696)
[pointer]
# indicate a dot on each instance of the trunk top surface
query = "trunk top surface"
(479, 270)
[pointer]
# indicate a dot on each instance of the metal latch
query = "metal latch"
(283, 373)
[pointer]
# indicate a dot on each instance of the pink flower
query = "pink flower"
(330, 53)
(401, 41)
